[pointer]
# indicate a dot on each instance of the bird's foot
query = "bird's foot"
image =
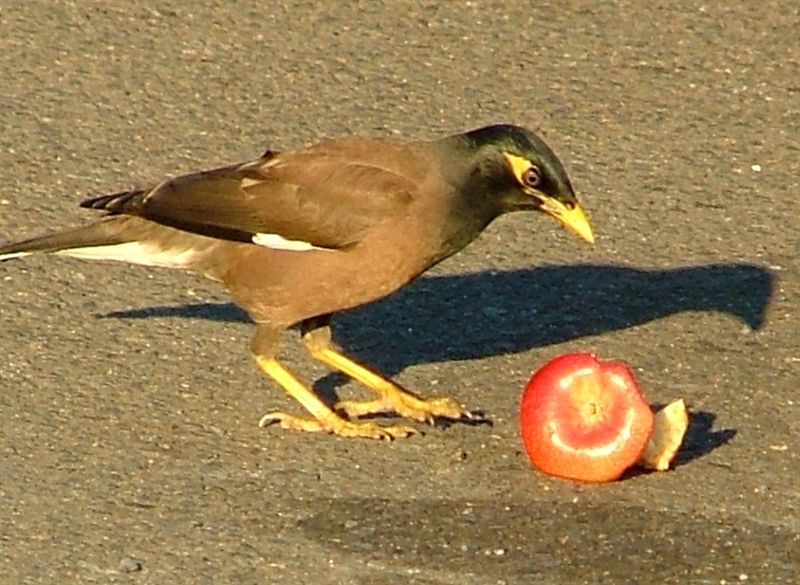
(336, 425)
(406, 405)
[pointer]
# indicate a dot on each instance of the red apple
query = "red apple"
(585, 419)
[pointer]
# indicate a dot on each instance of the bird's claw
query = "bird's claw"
(337, 426)
(408, 406)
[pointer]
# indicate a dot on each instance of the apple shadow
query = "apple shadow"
(701, 438)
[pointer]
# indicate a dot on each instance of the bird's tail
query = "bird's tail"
(109, 231)
(90, 236)
(122, 238)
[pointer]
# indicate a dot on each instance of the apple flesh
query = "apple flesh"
(670, 426)
(584, 419)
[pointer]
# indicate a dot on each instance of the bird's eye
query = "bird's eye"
(531, 177)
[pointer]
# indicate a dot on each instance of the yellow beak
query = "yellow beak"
(573, 218)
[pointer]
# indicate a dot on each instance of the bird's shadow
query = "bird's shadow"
(475, 315)
(482, 314)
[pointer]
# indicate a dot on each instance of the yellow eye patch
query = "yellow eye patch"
(518, 166)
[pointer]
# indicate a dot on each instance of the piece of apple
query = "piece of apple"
(671, 424)
(584, 419)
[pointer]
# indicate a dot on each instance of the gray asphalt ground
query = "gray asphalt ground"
(130, 446)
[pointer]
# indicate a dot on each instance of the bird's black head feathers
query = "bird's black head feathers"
(491, 146)
(502, 168)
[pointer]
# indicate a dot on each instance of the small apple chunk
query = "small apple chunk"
(671, 424)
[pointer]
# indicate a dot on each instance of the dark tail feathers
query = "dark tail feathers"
(129, 202)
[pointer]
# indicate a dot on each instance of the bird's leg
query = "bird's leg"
(391, 397)
(324, 419)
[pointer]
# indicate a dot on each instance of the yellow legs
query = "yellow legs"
(391, 398)
(324, 419)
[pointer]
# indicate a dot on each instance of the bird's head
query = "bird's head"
(517, 168)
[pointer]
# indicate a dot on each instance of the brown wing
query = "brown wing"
(329, 195)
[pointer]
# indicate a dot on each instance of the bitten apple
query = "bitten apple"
(584, 419)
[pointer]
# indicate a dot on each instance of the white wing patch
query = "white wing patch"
(135, 253)
(277, 242)
(247, 182)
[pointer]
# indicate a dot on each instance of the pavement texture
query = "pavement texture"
(130, 449)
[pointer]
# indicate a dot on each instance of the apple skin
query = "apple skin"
(584, 419)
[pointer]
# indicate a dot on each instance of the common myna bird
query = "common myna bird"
(298, 236)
